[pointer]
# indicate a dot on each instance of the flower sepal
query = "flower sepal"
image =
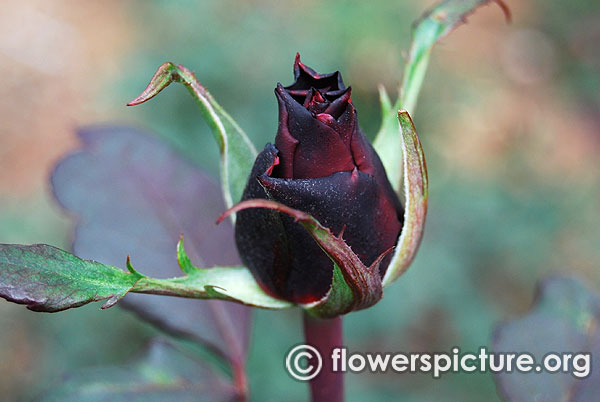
(354, 286)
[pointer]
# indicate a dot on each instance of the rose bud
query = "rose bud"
(324, 165)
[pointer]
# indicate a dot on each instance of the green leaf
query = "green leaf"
(387, 143)
(237, 151)
(133, 186)
(48, 279)
(163, 373)
(363, 283)
(433, 25)
(416, 193)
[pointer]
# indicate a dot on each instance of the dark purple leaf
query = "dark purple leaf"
(163, 373)
(132, 195)
(564, 319)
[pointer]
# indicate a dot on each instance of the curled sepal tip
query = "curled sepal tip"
(434, 25)
(237, 151)
(355, 286)
(415, 193)
(164, 75)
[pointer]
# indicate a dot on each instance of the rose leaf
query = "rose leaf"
(162, 373)
(565, 318)
(131, 194)
(48, 279)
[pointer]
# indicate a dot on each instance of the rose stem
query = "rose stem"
(325, 334)
(240, 382)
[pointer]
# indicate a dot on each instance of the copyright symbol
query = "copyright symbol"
(298, 370)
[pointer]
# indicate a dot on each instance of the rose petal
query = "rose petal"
(306, 77)
(317, 149)
(348, 201)
(283, 256)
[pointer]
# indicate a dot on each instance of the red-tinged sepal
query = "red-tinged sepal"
(355, 286)
(237, 151)
(416, 193)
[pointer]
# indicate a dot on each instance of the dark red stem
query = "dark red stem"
(325, 334)
(240, 382)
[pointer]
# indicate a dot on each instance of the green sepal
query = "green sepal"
(339, 299)
(358, 287)
(237, 151)
(416, 194)
(433, 26)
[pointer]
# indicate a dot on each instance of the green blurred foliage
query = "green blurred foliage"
(509, 117)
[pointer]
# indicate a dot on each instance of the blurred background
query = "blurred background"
(509, 117)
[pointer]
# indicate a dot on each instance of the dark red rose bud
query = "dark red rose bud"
(321, 164)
